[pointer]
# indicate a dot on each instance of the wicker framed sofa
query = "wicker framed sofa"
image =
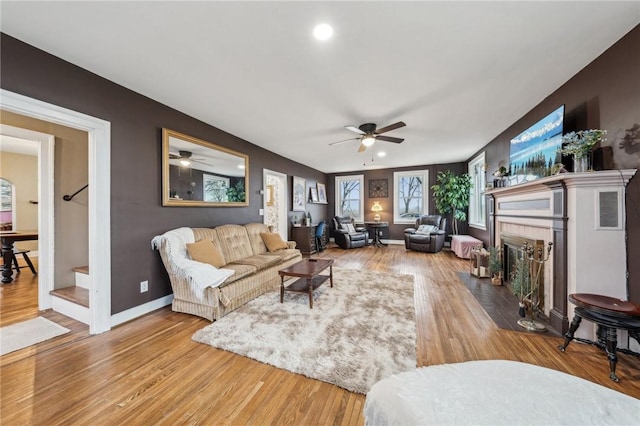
(237, 263)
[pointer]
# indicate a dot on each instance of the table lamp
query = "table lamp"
(376, 208)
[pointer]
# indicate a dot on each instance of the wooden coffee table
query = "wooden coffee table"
(308, 271)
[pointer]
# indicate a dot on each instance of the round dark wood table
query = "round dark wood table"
(610, 315)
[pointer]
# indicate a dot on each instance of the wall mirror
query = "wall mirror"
(200, 173)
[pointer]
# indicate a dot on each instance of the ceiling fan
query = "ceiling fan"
(185, 157)
(369, 134)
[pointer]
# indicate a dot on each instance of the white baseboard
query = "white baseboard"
(394, 242)
(138, 311)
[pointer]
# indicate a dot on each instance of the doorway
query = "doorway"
(99, 138)
(275, 201)
(44, 150)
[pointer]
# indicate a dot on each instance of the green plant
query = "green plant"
(236, 193)
(451, 194)
(495, 260)
(581, 143)
(521, 278)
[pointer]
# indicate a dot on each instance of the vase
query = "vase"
(581, 164)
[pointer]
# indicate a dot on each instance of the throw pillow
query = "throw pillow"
(273, 241)
(351, 228)
(204, 251)
(426, 229)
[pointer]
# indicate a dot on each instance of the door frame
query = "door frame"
(46, 211)
(99, 137)
(281, 202)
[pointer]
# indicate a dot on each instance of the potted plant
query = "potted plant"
(236, 193)
(495, 265)
(580, 144)
(451, 194)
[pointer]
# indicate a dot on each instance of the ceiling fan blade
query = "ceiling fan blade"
(355, 129)
(391, 127)
(362, 148)
(346, 140)
(389, 139)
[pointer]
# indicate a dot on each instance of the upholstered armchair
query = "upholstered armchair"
(428, 234)
(347, 235)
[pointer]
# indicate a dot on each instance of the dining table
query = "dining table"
(8, 238)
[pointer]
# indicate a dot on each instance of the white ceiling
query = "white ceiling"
(458, 73)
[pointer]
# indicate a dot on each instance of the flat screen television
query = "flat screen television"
(534, 152)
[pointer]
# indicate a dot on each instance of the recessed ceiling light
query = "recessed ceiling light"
(382, 154)
(323, 32)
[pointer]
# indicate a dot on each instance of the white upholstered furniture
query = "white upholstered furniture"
(495, 393)
(249, 270)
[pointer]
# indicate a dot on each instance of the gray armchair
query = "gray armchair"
(431, 241)
(345, 238)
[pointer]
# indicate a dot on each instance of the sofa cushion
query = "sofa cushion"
(349, 227)
(260, 261)
(273, 241)
(427, 229)
(254, 230)
(204, 251)
(287, 254)
(234, 242)
(241, 271)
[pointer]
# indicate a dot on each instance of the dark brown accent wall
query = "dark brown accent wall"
(606, 95)
(395, 232)
(136, 121)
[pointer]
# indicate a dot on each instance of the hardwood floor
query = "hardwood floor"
(149, 371)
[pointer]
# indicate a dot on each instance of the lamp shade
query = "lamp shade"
(376, 208)
(368, 140)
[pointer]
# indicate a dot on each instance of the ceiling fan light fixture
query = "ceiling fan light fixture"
(368, 140)
(185, 162)
(323, 32)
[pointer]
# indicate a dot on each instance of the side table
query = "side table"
(376, 230)
(609, 314)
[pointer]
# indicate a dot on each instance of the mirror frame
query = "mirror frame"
(168, 201)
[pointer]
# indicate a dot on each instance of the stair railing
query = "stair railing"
(70, 197)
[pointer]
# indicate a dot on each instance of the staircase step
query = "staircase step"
(74, 294)
(81, 269)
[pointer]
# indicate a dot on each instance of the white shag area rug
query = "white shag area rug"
(26, 333)
(358, 332)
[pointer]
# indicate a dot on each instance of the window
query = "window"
(349, 196)
(477, 209)
(214, 188)
(410, 195)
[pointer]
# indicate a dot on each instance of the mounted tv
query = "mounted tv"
(534, 152)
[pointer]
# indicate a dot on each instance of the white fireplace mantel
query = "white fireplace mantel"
(600, 178)
(583, 214)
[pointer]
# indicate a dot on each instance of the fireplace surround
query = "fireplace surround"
(583, 215)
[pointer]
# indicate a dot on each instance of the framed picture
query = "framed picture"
(313, 195)
(322, 193)
(270, 195)
(378, 188)
(299, 194)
